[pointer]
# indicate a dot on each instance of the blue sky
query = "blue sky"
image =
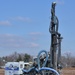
(24, 25)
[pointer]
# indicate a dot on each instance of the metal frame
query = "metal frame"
(55, 58)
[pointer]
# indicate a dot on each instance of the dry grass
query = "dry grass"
(65, 71)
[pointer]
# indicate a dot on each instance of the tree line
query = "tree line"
(16, 57)
(67, 60)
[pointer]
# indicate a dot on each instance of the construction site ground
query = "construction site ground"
(65, 71)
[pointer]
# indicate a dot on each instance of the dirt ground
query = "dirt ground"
(1, 71)
(68, 71)
(65, 71)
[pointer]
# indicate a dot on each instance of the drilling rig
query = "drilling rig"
(55, 48)
(50, 62)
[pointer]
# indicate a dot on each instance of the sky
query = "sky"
(24, 26)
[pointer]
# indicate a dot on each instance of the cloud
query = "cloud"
(6, 23)
(33, 45)
(13, 41)
(61, 2)
(35, 33)
(24, 19)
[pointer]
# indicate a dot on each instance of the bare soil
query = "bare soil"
(68, 71)
(65, 71)
(1, 71)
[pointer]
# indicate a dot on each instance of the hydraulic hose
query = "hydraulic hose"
(56, 22)
(39, 71)
(49, 69)
(38, 58)
(30, 70)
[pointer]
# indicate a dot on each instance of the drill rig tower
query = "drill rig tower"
(55, 48)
